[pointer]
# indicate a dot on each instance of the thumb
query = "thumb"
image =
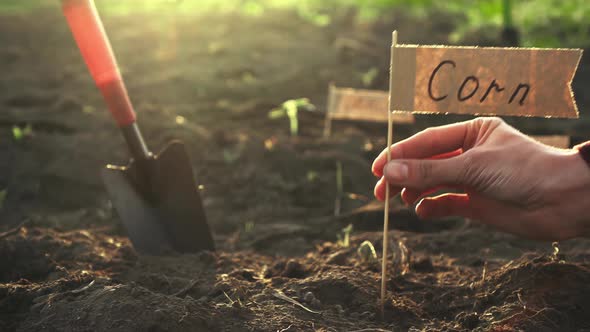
(422, 174)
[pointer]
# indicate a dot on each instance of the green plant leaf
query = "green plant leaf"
(367, 252)
(369, 76)
(17, 133)
(277, 113)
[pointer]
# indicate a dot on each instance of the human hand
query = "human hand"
(509, 180)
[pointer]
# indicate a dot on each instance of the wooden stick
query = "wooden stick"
(386, 209)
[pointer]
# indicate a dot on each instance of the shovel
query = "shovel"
(155, 196)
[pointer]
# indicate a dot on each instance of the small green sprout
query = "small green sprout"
(88, 109)
(289, 109)
(312, 176)
(369, 76)
(367, 253)
(555, 256)
(249, 226)
(19, 133)
(344, 238)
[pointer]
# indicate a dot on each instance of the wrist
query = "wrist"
(570, 194)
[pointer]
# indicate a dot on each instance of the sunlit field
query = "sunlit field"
(286, 194)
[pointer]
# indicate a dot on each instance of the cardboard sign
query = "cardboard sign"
(361, 105)
(491, 81)
(556, 141)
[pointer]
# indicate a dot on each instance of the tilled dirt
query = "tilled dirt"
(66, 265)
(84, 282)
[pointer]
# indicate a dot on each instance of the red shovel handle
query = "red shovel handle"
(94, 45)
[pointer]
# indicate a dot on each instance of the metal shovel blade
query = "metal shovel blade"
(159, 204)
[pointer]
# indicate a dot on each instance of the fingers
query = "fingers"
(447, 205)
(499, 215)
(379, 190)
(421, 175)
(430, 142)
(447, 155)
(411, 196)
(507, 217)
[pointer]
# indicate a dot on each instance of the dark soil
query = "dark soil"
(66, 264)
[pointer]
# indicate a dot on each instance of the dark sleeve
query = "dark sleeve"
(584, 149)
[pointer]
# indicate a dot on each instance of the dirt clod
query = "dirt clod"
(293, 269)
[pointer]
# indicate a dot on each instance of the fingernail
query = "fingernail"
(419, 211)
(396, 171)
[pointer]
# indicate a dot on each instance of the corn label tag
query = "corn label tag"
(484, 81)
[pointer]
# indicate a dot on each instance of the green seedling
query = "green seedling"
(555, 246)
(312, 176)
(369, 76)
(555, 255)
(367, 253)
(290, 109)
(19, 133)
(249, 226)
(344, 237)
(401, 257)
(88, 109)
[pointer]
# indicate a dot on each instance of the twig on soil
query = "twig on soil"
(185, 315)
(542, 311)
(14, 230)
(83, 289)
(285, 329)
(371, 330)
(185, 290)
(280, 295)
(484, 272)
